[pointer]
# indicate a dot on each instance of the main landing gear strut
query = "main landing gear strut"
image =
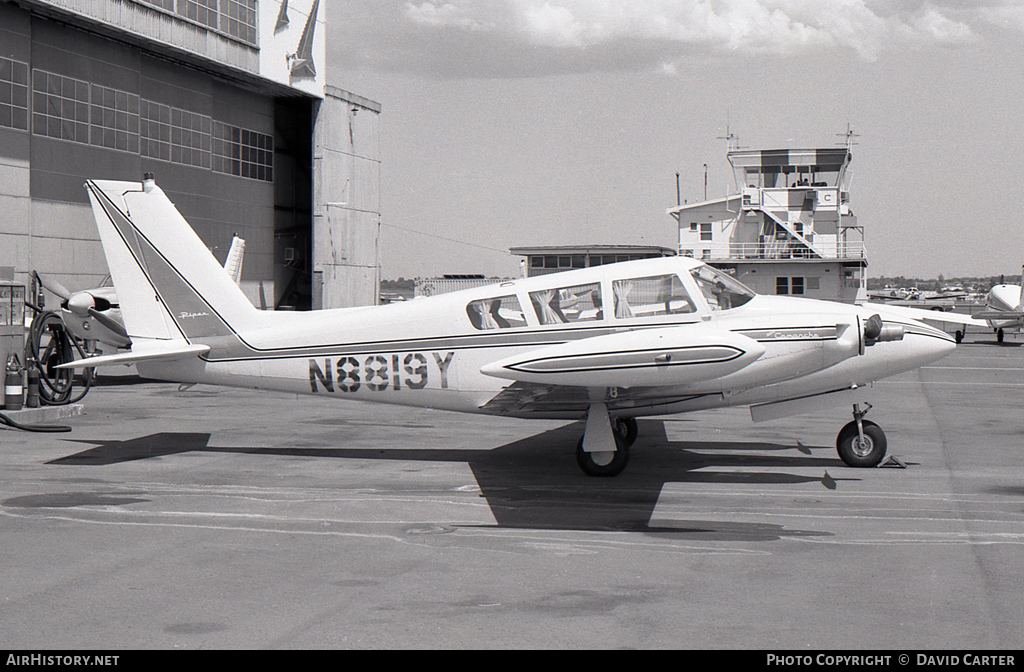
(861, 443)
(603, 450)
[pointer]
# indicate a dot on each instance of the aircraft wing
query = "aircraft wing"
(999, 315)
(643, 370)
(143, 350)
(519, 398)
(904, 312)
(525, 399)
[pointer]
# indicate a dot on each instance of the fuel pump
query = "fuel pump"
(12, 339)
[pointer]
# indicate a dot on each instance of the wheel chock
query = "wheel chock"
(893, 461)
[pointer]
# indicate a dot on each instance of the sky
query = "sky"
(530, 122)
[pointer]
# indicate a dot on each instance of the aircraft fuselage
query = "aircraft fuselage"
(429, 352)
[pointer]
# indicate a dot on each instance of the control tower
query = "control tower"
(788, 230)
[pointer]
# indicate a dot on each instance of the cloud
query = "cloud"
(756, 25)
(528, 36)
(1005, 15)
(446, 14)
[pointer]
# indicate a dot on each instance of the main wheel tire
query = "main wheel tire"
(614, 463)
(861, 454)
(627, 429)
(959, 336)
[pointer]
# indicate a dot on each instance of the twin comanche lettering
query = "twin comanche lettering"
(346, 373)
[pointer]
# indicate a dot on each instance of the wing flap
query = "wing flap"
(529, 400)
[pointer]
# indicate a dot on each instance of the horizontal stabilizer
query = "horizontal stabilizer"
(142, 352)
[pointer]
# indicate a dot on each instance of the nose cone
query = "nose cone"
(80, 303)
(935, 348)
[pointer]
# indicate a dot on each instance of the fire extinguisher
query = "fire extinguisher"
(13, 391)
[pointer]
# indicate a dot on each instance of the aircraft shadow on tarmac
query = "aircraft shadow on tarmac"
(534, 482)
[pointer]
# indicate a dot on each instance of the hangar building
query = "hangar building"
(227, 102)
(542, 260)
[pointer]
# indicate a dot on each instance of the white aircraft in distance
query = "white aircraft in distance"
(89, 314)
(606, 344)
(1005, 305)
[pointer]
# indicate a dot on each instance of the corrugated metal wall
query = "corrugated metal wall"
(163, 27)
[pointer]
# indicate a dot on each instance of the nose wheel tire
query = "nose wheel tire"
(858, 452)
(603, 463)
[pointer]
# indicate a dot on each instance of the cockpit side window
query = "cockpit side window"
(721, 290)
(502, 312)
(653, 295)
(568, 304)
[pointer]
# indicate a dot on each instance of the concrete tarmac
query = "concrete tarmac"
(213, 518)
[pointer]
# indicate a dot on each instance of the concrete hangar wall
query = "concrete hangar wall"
(226, 102)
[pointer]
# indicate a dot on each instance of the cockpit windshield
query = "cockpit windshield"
(721, 290)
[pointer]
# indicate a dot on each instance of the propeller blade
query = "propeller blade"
(109, 322)
(55, 287)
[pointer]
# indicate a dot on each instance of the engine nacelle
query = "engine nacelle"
(874, 330)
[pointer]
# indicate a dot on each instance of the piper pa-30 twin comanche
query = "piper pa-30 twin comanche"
(606, 344)
(1005, 309)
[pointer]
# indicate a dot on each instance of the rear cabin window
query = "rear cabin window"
(654, 295)
(502, 312)
(568, 304)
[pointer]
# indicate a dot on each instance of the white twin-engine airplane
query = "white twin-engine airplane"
(606, 344)
(1005, 304)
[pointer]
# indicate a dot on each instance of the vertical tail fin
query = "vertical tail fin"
(1020, 304)
(169, 285)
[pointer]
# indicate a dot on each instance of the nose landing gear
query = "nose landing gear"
(861, 443)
